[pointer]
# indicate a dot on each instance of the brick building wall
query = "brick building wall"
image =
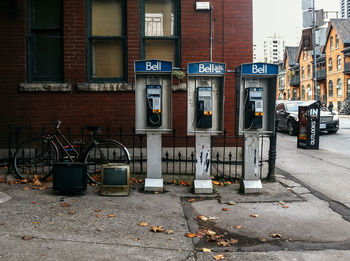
(232, 44)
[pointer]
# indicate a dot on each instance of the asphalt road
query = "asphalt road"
(326, 170)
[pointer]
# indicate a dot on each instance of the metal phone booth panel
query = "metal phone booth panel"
(153, 96)
(153, 103)
(205, 115)
(256, 101)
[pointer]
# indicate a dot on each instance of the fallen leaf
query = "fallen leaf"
(51, 223)
(254, 215)
(26, 188)
(207, 250)
(211, 233)
(223, 243)
(285, 206)
(71, 212)
(212, 218)
(156, 229)
(36, 222)
(202, 233)
(191, 199)
(204, 218)
(59, 214)
(225, 209)
(33, 202)
(263, 240)
(219, 257)
(111, 215)
(136, 239)
(37, 183)
(215, 182)
(97, 210)
(231, 203)
(233, 241)
(274, 235)
(74, 200)
(65, 204)
(27, 237)
(238, 227)
(99, 215)
(169, 231)
(143, 224)
(190, 235)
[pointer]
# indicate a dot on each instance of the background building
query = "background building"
(273, 49)
(345, 8)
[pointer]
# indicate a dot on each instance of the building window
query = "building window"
(338, 62)
(45, 41)
(318, 92)
(309, 92)
(304, 55)
(302, 72)
(106, 40)
(330, 64)
(295, 94)
(348, 88)
(331, 43)
(339, 88)
(308, 70)
(303, 92)
(160, 30)
(336, 42)
(330, 88)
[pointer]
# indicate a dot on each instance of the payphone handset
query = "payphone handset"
(204, 107)
(154, 105)
(253, 108)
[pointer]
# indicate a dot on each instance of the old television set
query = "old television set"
(69, 177)
(115, 180)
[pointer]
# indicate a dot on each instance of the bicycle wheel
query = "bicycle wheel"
(106, 151)
(35, 157)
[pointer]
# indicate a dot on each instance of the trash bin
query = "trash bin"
(309, 126)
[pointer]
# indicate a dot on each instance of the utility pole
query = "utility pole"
(314, 45)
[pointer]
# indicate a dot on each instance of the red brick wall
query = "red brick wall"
(232, 45)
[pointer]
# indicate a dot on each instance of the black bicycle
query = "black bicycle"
(37, 155)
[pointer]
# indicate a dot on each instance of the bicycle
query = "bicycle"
(37, 155)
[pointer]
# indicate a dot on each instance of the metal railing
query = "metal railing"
(178, 151)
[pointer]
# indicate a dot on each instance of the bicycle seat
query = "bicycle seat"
(94, 129)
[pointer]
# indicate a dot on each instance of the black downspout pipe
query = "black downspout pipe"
(271, 176)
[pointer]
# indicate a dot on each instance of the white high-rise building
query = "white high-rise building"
(345, 8)
(273, 49)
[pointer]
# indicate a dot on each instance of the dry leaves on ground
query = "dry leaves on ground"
(204, 218)
(238, 227)
(191, 199)
(27, 237)
(206, 250)
(254, 215)
(169, 231)
(219, 257)
(157, 229)
(65, 204)
(190, 235)
(111, 215)
(143, 224)
(225, 209)
(275, 235)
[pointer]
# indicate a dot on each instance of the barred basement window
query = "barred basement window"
(106, 40)
(45, 41)
(160, 30)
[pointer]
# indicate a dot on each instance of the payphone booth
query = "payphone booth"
(205, 113)
(153, 96)
(309, 126)
(256, 101)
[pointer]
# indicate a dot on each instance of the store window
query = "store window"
(330, 88)
(339, 88)
(160, 30)
(106, 40)
(45, 41)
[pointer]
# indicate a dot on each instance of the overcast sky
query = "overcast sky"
(283, 17)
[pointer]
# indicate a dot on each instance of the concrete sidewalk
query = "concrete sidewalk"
(285, 222)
